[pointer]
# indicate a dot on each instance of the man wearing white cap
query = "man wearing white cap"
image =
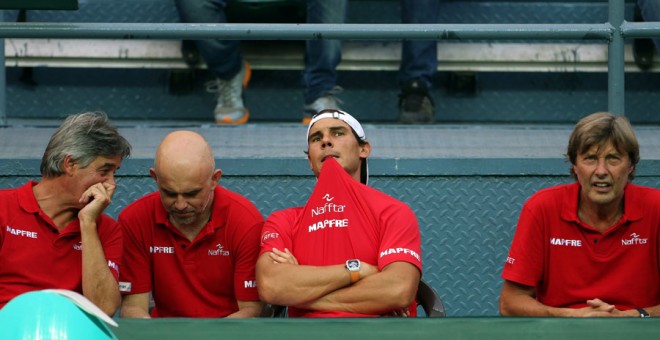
(351, 251)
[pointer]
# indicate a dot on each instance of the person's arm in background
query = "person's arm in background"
(247, 309)
(135, 306)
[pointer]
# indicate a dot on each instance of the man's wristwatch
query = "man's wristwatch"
(353, 267)
(643, 313)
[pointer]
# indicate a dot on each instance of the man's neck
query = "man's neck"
(55, 202)
(190, 231)
(600, 217)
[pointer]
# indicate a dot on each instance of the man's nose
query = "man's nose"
(325, 141)
(601, 167)
(111, 179)
(180, 203)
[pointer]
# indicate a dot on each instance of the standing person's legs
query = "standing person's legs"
(651, 12)
(321, 58)
(419, 62)
(222, 57)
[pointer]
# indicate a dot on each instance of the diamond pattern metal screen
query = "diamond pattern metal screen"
(466, 222)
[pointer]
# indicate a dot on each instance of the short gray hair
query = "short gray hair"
(84, 137)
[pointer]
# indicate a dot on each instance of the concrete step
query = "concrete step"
(356, 56)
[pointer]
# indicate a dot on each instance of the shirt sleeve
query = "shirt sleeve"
(524, 263)
(277, 231)
(111, 241)
(135, 274)
(246, 252)
(401, 240)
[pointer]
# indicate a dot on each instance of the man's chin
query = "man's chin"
(184, 221)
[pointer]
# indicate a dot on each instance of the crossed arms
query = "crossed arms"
(282, 281)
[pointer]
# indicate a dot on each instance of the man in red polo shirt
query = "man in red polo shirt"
(53, 233)
(192, 244)
(590, 248)
(351, 251)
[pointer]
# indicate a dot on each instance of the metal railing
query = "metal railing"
(613, 32)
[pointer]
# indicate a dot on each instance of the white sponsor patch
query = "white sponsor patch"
(634, 239)
(328, 208)
(268, 236)
(565, 242)
(113, 265)
(161, 250)
(407, 251)
(19, 232)
(343, 223)
(125, 287)
(218, 251)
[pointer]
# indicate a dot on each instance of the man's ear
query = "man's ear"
(365, 150)
(153, 175)
(68, 165)
(217, 174)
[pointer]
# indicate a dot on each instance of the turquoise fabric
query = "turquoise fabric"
(47, 315)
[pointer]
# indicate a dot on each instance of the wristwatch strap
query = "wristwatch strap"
(643, 313)
(355, 276)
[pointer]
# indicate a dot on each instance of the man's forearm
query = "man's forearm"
(377, 294)
(135, 306)
(654, 311)
(134, 312)
(98, 283)
(288, 285)
(247, 309)
(519, 300)
(521, 305)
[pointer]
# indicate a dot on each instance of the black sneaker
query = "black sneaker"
(643, 51)
(190, 53)
(415, 103)
(643, 48)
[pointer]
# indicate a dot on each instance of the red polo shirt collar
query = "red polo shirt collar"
(631, 204)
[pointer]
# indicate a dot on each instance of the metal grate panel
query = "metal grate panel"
(466, 222)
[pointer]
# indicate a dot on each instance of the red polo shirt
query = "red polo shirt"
(569, 262)
(202, 278)
(345, 219)
(34, 255)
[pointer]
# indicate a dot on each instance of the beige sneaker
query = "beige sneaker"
(327, 101)
(230, 108)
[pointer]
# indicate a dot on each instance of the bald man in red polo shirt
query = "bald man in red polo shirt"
(192, 244)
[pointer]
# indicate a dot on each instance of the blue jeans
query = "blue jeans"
(651, 12)
(322, 56)
(419, 58)
(222, 57)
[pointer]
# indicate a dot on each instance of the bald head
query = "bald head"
(185, 173)
(183, 151)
